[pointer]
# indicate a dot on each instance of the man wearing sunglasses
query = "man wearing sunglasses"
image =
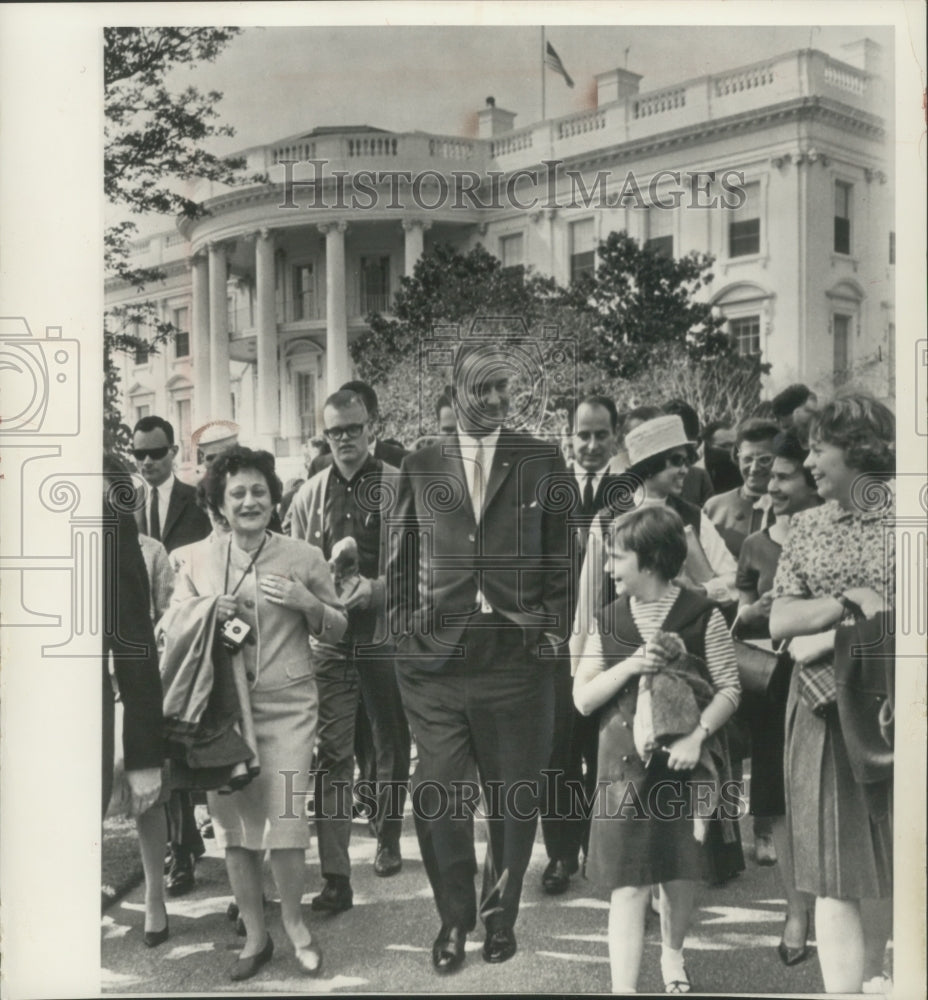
(170, 515)
(343, 501)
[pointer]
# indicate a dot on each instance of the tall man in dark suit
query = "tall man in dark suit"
(478, 594)
(170, 515)
(565, 824)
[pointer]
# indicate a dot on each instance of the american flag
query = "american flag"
(553, 60)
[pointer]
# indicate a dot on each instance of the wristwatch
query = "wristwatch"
(850, 608)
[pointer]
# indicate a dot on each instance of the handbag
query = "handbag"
(865, 678)
(755, 666)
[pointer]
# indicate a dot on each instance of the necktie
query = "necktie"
(587, 508)
(478, 490)
(154, 518)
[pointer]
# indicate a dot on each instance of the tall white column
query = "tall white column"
(199, 267)
(220, 391)
(337, 363)
(415, 242)
(268, 415)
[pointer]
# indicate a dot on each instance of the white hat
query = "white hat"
(654, 436)
(215, 432)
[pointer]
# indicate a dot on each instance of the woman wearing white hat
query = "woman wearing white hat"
(659, 455)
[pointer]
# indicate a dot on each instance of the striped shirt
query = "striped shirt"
(649, 616)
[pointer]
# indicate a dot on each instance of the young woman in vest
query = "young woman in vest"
(644, 827)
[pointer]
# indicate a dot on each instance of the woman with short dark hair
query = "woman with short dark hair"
(282, 590)
(638, 839)
(838, 563)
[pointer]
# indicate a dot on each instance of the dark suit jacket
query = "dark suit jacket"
(184, 523)
(129, 636)
(519, 555)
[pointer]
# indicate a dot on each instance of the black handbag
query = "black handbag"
(755, 666)
(865, 681)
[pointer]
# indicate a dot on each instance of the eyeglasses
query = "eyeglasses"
(348, 432)
(762, 462)
(678, 460)
(156, 454)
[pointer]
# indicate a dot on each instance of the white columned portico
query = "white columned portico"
(220, 391)
(415, 242)
(199, 267)
(337, 363)
(268, 415)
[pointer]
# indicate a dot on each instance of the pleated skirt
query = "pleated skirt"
(841, 849)
(270, 811)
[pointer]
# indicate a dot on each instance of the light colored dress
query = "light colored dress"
(270, 811)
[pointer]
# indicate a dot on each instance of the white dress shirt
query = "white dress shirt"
(582, 473)
(164, 498)
(469, 446)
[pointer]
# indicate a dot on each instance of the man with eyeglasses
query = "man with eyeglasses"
(345, 501)
(170, 515)
(746, 509)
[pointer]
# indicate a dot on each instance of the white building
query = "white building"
(273, 285)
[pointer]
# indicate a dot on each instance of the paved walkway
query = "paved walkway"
(383, 944)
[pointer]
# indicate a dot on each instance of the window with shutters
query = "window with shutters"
(841, 327)
(660, 231)
(306, 404)
(181, 320)
(304, 291)
(744, 224)
(843, 193)
(582, 248)
(375, 284)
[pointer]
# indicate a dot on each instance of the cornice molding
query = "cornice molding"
(812, 108)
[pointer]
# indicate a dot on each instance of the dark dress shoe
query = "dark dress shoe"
(448, 949)
(153, 938)
(245, 968)
(336, 897)
(792, 956)
(388, 861)
(180, 878)
(556, 876)
(500, 945)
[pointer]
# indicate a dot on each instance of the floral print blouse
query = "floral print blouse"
(830, 549)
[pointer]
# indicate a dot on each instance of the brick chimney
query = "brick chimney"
(492, 120)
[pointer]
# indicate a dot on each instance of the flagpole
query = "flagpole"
(542, 73)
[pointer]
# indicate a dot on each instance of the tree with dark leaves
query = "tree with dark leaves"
(642, 301)
(154, 146)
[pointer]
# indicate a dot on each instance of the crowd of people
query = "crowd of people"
(596, 631)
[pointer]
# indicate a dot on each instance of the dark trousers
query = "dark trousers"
(343, 681)
(488, 717)
(565, 820)
(183, 833)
